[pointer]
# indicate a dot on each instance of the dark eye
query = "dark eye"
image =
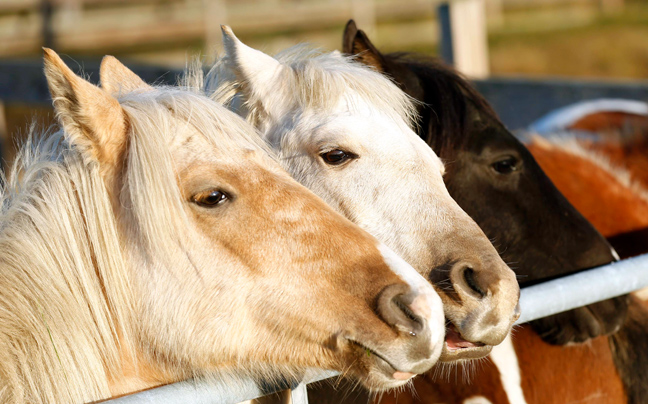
(337, 157)
(506, 165)
(210, 199)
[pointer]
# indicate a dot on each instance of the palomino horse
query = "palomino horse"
(495, 178)
(342, 130)
(153, 239)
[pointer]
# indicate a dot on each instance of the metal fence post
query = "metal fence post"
(445, 36)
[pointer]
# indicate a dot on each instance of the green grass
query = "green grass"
(608, 46)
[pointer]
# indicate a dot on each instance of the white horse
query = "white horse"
(343, 130)
(152, 239)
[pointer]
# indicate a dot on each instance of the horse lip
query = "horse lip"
(465, 353)
(478, 350)
(382, 362)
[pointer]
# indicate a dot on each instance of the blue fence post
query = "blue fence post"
(445, 42)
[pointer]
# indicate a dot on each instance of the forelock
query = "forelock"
(323, 78)
(156, 116)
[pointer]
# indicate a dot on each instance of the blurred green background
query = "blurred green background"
(578, 38)
(592, 39)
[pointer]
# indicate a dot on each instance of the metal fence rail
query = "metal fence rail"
(583, 288)
(536, 301)
(224, 392)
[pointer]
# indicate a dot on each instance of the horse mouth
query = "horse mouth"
(393, 376)
(457, 348)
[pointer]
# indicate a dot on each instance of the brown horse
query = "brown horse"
(616, 129)
(614, 133)
(607, 195)
(152, 239)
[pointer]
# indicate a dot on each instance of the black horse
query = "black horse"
(496, 180)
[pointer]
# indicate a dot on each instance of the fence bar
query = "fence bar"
(583, 288)
(213, 392)
(537, 301)
(195, 392)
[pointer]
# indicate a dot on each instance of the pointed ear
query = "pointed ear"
(118, 79)
(348, 37)
(92, 120)
(358, 44)
(266, 81)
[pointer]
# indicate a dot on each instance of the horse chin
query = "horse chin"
(375, 372)
(456, 348)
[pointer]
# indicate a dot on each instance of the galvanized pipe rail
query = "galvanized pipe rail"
(587, 287)
(536, 301)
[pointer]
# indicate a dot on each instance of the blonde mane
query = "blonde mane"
(321, 80)
(63, 289)
(67, 303)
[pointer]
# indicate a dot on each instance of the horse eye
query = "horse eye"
(337, 157)
(505, 166)
(210, 199)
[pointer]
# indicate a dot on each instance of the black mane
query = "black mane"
(447, 94)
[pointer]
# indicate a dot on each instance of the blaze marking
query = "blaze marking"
(504, 357)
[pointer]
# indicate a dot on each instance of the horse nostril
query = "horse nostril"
(469, 277)
(405, 309)
(394, 307)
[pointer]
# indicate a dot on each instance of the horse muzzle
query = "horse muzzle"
(416, 328)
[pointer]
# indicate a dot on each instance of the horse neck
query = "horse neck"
(629, 152)
(63, 287)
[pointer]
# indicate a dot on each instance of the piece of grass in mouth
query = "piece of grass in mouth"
(368, 352)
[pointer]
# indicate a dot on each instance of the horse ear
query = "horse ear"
(356, 42)
(92, 119)
(264, 78)
(118, 79)
(350, 31)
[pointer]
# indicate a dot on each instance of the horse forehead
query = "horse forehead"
(357, 122)
(379, 136)
(190, 147)
(365, 125)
